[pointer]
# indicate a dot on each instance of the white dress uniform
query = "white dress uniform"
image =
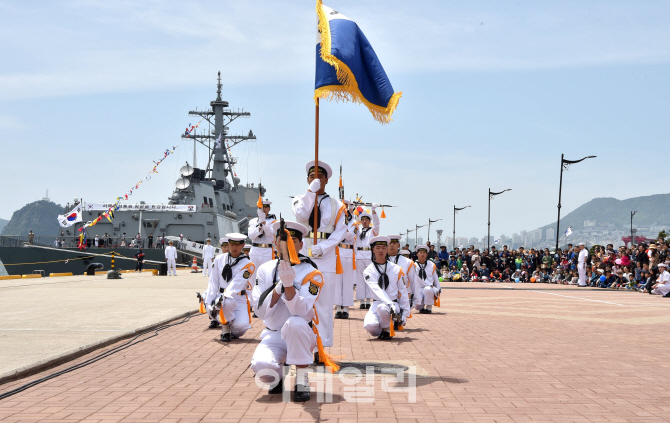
(208, 252)
(581, 266)
(233, 290)
(330, 232)
(426, 284)
(288, 337)
(171, 257)
(663, 287)
(407, 266)
(344, 288)
(363, 255)
(261, 236)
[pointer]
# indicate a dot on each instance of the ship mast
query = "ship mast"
(223, 163)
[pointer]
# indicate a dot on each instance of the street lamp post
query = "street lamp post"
(407, 239)
(416, 234)
(565, 164)
(429, 222)
(455, 210)
(488, 235)
(632, 236)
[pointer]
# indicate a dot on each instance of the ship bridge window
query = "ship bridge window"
(211, 203)
(150, 224)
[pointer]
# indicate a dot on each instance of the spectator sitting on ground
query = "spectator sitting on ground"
(662, 287)
(485, 272)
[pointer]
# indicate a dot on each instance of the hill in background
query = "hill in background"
(651, 210)
(39, 217)
(3, 222)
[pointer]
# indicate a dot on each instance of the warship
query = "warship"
(205, 203)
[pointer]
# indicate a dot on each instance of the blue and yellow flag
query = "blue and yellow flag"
(347, 67)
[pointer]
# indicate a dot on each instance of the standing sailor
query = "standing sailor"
(363, 254)
(581, 263)
(391, 301)
(426, 282)
(330, 231)
(260, 234)
(171, 258)
(284, 297)
(344, 288)
(213, 316)
(207, 257)
(403, 261)
(227, 291)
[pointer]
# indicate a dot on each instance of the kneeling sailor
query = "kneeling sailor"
(427, 286)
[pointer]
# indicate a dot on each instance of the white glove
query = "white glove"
(261, 216)
(315, 251)
(278, 288)
(394, 307)
(315, 185)
(286, 274)
(374, 206)
(404, 321)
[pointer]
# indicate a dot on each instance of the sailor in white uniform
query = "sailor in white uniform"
(403, 261)
(426, 282)
(366, 231)
(284, 297)
(261, 236)
(171, 258)
(330, 232)
(344, 288)
(663, 286)
(388, 291)
(227, 291)
(208, 252)
(581, 263)
(213, 316)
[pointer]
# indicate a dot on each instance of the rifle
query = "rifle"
(341, 186)
(359, 203)
(282, 250)
(397, 318)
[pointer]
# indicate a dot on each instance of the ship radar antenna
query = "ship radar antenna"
(218, 88)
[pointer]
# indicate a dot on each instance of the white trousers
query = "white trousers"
(207, 266)
(293, 345)
(324, 308)
(172, 266)
(581, 268)
(378, 318)
(362, 290)
(344, 286)
(424, 296)
(236, 313)
(258, 256)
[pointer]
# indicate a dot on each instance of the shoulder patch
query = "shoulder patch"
(367, 277)
(313, 288)
(246, 274)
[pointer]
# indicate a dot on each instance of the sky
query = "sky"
(92, 92)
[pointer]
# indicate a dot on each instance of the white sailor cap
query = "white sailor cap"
(323, 167)
(236, 238)
(297, 230)
(266, 202)
(208, 240)
(662, 265)
(223, 240)
(404, 252)
(366, 214)
(394, 237)
(581, 244)
(247, 247)
(421, 247)
(379, 240)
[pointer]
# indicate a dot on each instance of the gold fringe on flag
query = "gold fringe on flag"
(349, 90)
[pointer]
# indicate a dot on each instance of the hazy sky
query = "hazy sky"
(493, 92)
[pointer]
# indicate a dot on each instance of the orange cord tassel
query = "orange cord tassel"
(325, 358)
(400, 328)
(259, 203)
(391, 331)
(202, 308)
(437, 301)
(291, 248)
(383, 215)
(222, 318)
(338, 263)
(249, 308)
(354, 260)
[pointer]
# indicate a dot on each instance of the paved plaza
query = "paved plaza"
(491, 353)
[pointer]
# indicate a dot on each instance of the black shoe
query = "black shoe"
(234, 336)
(254, 316)
(278, 388)
(429, 311)
(213, 324)
(395, 325)
(316, 357)
(362, 306)
(422, 311)
(367, 305)
(338, 315)
(301, 393)
(345, 314)
(384, 336)
(225, 337)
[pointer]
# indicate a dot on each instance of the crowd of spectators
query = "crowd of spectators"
(643, 268)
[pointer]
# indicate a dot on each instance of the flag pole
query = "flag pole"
(316, 170)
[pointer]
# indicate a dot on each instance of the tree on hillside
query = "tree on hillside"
(662, 235)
